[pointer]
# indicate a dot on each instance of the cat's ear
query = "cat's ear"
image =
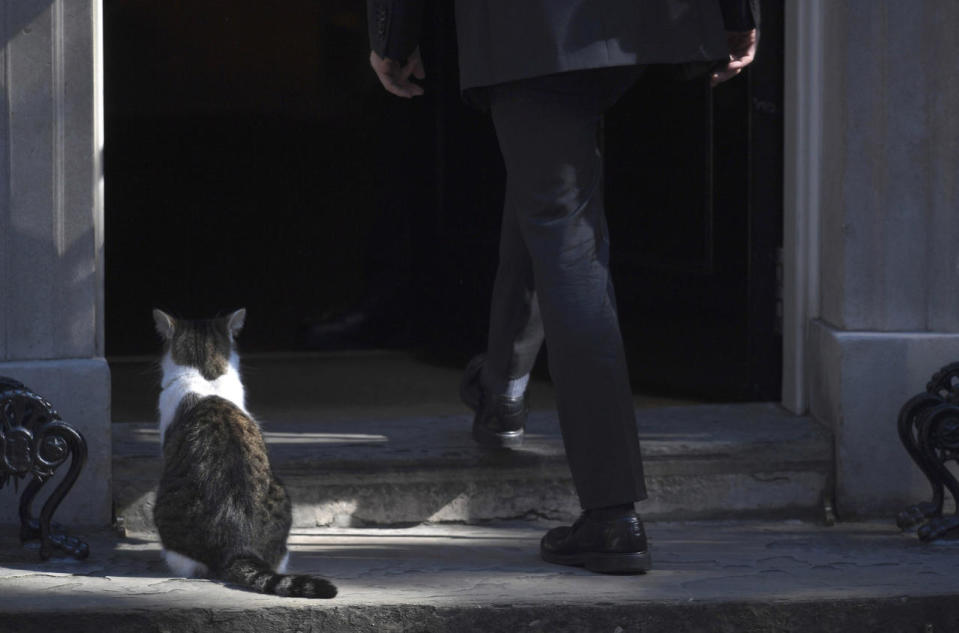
(164, 324)
(235, 321)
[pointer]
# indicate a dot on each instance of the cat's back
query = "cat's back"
(212, 428)
(216, 473)
(214, 454)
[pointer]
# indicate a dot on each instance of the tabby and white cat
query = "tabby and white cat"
(220, 510)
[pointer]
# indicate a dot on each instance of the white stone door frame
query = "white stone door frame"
(802, 150)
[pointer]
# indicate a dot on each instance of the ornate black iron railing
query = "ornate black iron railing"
(35, 442)
(929, 429)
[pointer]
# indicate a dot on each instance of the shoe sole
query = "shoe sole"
(507, 439)
(604, 563)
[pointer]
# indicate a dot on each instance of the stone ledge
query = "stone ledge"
(708, 461)
(934, 613)
(768, 576)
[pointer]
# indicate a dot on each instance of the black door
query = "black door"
(693, 194)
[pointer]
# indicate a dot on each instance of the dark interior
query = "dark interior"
(253, 160)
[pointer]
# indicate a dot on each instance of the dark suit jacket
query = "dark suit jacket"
(505, 40)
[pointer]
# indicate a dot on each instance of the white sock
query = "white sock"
(516, 387)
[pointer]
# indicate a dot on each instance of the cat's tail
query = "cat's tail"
(254, 573)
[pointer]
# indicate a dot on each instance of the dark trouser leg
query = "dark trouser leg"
(555, 240)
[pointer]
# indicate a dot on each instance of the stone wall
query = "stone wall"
(889, 234)
(51, 235)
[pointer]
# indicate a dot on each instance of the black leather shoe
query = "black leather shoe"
(604, 544)
(500, 422)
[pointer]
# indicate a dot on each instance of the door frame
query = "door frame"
(802, 193)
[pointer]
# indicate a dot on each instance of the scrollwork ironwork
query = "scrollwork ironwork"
(928, 427)
(34, 443)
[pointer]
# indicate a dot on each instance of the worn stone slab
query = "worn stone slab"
(705, 461)
(733, 576)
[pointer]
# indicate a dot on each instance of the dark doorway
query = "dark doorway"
(253, 159)
(250, 153)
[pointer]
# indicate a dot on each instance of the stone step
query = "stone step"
(704, 461)
(779, 577)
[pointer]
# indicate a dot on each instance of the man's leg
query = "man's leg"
(555, 240)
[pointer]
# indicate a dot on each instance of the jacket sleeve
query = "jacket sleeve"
(740, 15)
(394, 26)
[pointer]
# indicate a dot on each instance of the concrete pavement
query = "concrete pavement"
(710, 576)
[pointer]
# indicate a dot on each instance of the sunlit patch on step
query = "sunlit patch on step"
(323, 438)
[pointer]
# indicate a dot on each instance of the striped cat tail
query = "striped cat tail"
(256, 574)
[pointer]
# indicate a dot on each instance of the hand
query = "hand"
(396, 78)
(742, 51)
